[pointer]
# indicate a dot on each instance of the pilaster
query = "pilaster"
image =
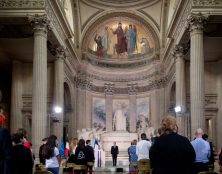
(132, 91)
(16, 97)
(109, 91)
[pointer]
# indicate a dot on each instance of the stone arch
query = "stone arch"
(145, 21)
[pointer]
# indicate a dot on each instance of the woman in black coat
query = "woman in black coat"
(171, 153)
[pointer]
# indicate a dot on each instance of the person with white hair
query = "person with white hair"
(202, 151)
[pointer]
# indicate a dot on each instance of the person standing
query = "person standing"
(121, 46)
(114, 152)
(131, 39)
(171, 153)
(90, 156)
(132, 155)
(202, 151)
(143, 147)
(53, 158)
(6, 153)
(22, 158)
(41, 155)
(2, 117)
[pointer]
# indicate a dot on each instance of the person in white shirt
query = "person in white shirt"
(54, 159)
(142, 150)
(202, 151)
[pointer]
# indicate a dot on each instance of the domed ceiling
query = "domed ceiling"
(120, 41)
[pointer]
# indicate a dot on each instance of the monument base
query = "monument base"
(123, 140)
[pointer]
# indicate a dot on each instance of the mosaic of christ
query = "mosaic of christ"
(121, 38)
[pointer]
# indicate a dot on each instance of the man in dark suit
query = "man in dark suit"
(114, 152)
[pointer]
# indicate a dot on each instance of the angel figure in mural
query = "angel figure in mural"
(105, 40)
(131, 39)
(99, 50)
(119, 119)
(145, 47)
(121, 45)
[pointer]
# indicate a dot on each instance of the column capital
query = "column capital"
(40, 22)
(60, 53)
(180, 50)
(109, 88)
(196, 21)
(132, 89)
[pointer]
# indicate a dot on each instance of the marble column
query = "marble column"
(39, 86)
(179, 53)
(197, 94)
(57, 126)
(132, 91)
(16, 97)
(109, 90)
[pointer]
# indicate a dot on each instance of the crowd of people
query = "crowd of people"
(171, 153)
(168, 153)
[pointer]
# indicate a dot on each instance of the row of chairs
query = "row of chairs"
(143, 166)
(67, 168)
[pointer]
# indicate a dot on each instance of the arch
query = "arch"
(103, 16)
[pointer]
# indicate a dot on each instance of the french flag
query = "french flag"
(67, 149)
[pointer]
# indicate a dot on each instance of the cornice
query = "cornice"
(207, 3)
(124, 78)
(22, 4)
(129, 89)
(122, 64)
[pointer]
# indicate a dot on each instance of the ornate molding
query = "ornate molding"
(207, 3)
(196, 22)
(83, 82)
(40, 22)
(180, 50)
(109, 88)
(132, 89)
(22, 4)
(124, 64)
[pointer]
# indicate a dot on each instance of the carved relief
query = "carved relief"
(109, 88)
(196, 21)
(207, 2)
(40, 22)
(36, 4)
(132, 89)
(180, 50)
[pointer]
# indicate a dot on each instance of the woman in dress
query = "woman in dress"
(132, 155)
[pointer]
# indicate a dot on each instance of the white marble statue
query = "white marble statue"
(145, 127)
(119, 119)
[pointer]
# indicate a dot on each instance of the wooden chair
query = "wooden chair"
(133, 164)
(144, 166)
(72, 167)
(39, 167)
